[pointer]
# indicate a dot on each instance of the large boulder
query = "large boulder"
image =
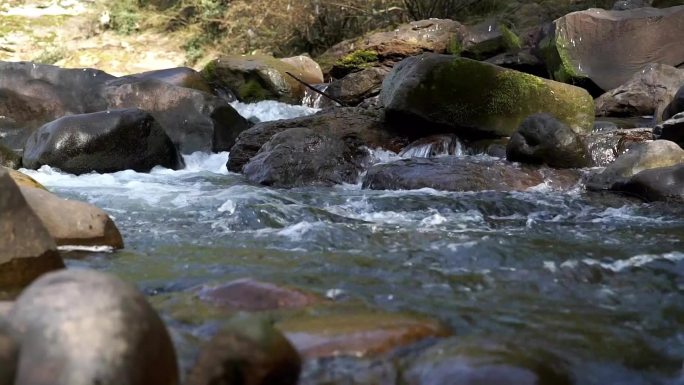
(643, 156)
(541, 139)
(307, 69)
(81, 327)
(34, 94)
(301, 157)
(358, 86)
(179, 76)
(26, 248)
(247, 351)
(464, 174)
(471, 98)
(386, 48)
(356, 126)
(676, 105)
(107, 141)
(194, 120)
(253, 78)
(648, 92)
(604, 49)
(73, 223)
(657, 184)
(671, 129)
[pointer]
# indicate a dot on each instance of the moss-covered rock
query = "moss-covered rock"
(354, 62)
(254, 78)
(470, 98)
(603, 49)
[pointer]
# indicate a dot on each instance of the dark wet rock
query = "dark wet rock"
(676, 105)
(605, 146)
(9, 353)
(253, 78)
(433, 146)
(103, 142)
(541, 139)
(603, 49)
(387, 48)
(672, 129)
(487, 39)
(604, 125)
(34, 94)
(71, 222)
(349, 371)
(625, 5)
(86, 327)
(179, 76)
(251, 295)
(648, 92)
(358, 86)
(194, 120)
(464, 174)
(459, 362)
(657, 184)
(358, 334)
(642, 156)
(301, 157)
(443, 93)
(247, 352)
(29, 251)
(523, 61)
(492, 147)
(9, 158)
(356, 126)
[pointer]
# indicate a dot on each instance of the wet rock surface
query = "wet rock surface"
(657, 184)
(251, 295)
(605, 146)
(671, 129)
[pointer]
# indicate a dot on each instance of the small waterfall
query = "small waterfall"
(314, 99)
(433, 146)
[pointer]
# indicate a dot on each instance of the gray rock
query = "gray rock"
(358, 86)
(301, 157)
(30, 251)
(657, 184)
(676, 105)
(605, 146)
(103, 142)
(463, 174)
(643, 156)
(648, 92)
(542, 139)
(81, 327)
(625, 5)
(672, 129)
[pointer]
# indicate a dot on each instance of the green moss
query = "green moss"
(252, 90)
(50, 55)
(455, 47)
(358, 59)
(511, 40)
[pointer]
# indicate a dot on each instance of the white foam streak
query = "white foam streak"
(269, 110)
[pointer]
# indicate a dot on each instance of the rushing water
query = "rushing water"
(599, 280)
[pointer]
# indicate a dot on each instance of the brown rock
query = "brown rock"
(605, 146)
(247, 352)
(609, 47)
(306, 69)
(251, 295)
(357, 334)
(22, 179)
(358, 86)
(73, 223)
(179, 76)
(26, 248)
(648, 92)
(80, 327)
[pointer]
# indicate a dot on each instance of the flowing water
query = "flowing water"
(599, 280)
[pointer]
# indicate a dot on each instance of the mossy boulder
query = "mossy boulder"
(469, 98)
(253, 78)
(602, 49)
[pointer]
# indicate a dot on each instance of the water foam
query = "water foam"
(269, 110)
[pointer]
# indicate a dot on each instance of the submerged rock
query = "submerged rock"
(356, 126)
(671, 129)
(541, 139)
(72, 222)
(643, 156)
(464, 174)
(85, 327)
(459, 362)
(604, 49)
(605, 146)
(469, 98)
(247, 352)
(301, 157)
(26, 248)
(103, 142)
(648, 92)
(251, 295)
(358, 334)
(657, 184)
(253, 78)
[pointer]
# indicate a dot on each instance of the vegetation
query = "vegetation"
(290, 27)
